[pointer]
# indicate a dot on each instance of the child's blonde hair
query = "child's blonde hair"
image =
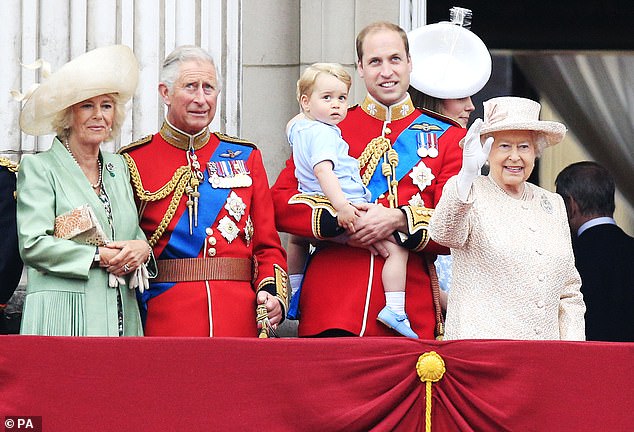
(306, 82)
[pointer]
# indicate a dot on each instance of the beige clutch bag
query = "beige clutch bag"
(80, 225)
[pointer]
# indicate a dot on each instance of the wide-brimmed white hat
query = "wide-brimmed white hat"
(516, 113)
(111, 69)
(448, 61)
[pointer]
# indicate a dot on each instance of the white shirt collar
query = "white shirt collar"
(594, 222)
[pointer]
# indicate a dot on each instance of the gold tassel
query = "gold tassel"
(430, 368)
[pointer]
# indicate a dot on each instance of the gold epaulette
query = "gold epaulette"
(235, 140)
(12, 166)
(137, 143)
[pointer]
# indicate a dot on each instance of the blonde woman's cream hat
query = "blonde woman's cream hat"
(448, 61)
(515, 113)
(111, 69)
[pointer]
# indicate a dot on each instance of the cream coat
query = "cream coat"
(514, 275)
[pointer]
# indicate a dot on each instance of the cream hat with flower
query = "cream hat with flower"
(515, 113)
(111, 69)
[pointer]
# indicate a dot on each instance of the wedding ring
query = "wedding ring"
(126, 268)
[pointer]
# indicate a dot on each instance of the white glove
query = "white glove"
(114, 281)
(140, 279)
(474, 155)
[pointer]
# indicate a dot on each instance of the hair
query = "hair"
(423, 100)
(376, 27)
(62, 123)
(306, 83)
(184, 53)
(591, 186)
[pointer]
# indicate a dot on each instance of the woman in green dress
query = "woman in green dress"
(75, 288)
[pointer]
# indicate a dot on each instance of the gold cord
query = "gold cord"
(177, 184)
(371, 156)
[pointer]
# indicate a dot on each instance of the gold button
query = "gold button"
(211, 252)
(388, 131)
(212, 241)
(209, 231)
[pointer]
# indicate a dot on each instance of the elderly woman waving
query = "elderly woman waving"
(514, 274)
(77, 222)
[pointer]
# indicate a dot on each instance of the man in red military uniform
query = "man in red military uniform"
(406, 156)
(207, 211)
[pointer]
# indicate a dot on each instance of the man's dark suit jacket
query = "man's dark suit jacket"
(10, 262)
(604, 256)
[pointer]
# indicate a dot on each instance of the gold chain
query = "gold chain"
(177, 184)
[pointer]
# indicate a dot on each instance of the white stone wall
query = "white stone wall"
(59, 30)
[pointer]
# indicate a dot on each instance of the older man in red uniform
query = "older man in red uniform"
(406, 156)
(206, 209)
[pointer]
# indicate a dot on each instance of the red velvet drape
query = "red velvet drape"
(348, 384)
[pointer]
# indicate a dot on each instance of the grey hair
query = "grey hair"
(64, 119)
(538, 139)
(181, 54)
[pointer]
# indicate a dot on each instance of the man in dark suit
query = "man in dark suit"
(604, 254)
(10, 262)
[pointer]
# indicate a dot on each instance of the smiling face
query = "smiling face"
(91, 120)
(385, 66)
(458, 109)
(512, 159)
(328, 101)
(192, 100)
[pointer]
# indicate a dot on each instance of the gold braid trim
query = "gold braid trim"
(177, 184)
(9, 164)
(318, 203)
(371, 156)
(418, 219)
(280, 280)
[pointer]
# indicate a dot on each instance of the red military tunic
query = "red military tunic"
(234, 218)
(342, 287)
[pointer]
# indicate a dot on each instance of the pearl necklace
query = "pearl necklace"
(96, 185)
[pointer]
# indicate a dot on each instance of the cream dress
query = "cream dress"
(514, 275)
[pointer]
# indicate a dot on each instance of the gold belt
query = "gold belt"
(200, 269)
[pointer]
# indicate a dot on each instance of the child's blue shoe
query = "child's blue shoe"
(395, 321)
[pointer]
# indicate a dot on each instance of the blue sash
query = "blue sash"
(406, 148)
(183, 245)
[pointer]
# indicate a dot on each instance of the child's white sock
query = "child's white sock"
(395, 301)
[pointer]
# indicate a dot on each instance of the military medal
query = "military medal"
(421, 175)
(228, 229)
(229, 174)
(432, 144)
(235, 206)
(248, 230)
(422, 147)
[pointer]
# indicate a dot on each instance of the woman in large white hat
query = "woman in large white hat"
(514, 275)
(449, 65)
(74, 196)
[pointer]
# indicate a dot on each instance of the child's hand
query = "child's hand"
(346, 217)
